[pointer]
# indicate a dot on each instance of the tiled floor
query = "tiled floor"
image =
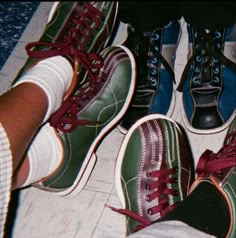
(41, 214)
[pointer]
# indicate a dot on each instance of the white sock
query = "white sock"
(45, 154)
(54, 76)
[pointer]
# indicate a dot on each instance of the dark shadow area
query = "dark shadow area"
(12, 213)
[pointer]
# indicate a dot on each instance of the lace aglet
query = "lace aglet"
(112, 208)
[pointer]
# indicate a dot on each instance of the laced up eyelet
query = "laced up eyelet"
(148, 175)
(147, 187)
(150, 212)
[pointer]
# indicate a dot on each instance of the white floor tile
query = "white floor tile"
(41, 214)
(111, 224)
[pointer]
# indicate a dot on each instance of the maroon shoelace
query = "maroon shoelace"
(74, 47)
(158, 189)
(65, 119)
(215, 162)
(73, 44)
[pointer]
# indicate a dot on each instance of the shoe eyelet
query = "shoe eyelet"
(197, 70)
(156, 36)
(156, 48)
(149, 211)
(154, 60)
(218, 45)
(216, 70)
(198, 58)
(215, 60)
(216, 79)
(153, 82)
(195, 80)
(196, 47)
(153, 71)
(195, 34)
(218, 34)
(147, 187)
(148, 175)
(147, 198)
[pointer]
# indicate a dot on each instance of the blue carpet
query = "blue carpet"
(14, 18)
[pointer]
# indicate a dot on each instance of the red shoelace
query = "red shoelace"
(215, 162)
(158, 190)
(74, 47)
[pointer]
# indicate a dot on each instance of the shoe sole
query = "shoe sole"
(123, 147)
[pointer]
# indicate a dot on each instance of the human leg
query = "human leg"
(46, 97)
(96, 103)
(24, 109)
(76, 31)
